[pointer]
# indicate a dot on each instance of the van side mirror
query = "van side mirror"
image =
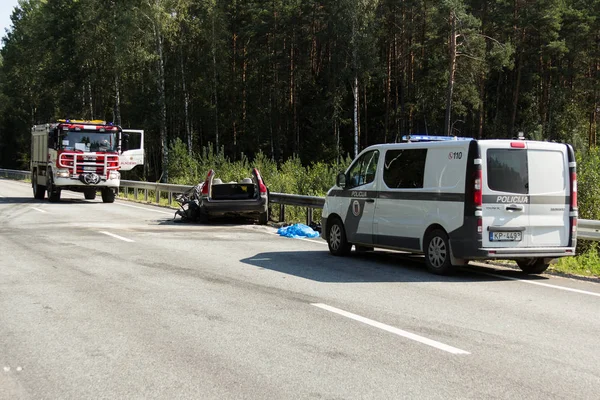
(340, 180)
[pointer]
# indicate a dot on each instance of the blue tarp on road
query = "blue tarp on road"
(297, 231)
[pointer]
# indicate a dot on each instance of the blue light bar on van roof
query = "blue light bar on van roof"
(429, 138)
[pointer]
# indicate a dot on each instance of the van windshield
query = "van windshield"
(507, 170)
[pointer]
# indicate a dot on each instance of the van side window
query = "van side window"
(363, 170)
(507, 170)
(404, 168)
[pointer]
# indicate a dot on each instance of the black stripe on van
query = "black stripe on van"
(357, 194)
(524, 199)
(423, 196)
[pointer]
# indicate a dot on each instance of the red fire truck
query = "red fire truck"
(81, 156)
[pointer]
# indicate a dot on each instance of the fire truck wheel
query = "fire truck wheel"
(38, 191)
(108, 196)
(53, 193)
(90, 194)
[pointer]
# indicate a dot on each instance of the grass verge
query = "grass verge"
(586, 264)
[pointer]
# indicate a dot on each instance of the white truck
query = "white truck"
(82, 156)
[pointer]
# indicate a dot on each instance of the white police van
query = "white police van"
(457, 199)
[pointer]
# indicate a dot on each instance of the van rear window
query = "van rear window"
(507, 170)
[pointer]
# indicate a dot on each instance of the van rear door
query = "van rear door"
(548, 194)
(525, 194)
(505, 189)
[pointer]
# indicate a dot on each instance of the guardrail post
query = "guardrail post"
(309, 212)
(281, 212)
(157, 196)
(135, 193)
(146, 195)
(170, 197)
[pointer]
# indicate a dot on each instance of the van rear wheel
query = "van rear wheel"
(437, 253)
(336, 238)
(533, 265)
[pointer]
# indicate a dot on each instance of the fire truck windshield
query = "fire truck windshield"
(89, 141)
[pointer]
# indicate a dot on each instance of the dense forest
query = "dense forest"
(314, 80)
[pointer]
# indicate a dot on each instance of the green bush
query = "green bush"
(587, 263)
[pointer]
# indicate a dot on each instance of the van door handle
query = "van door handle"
(370, 200)
(514, 207)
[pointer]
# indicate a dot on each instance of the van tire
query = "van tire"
(437, 253)
(533, 265)
(336, 238)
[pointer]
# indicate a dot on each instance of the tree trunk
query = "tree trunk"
(515, 101)
(215, 95)
(366, 135)
(244, 93)
(388, 89)
(355, 83)
(162, 107)
(452, 71)
(519, 63)
(481, 104)
(117, 105)
(233, 94)
(292, 100)
(186, 106)
(90, 99)
(482, 77)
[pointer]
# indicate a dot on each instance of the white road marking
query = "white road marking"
(39, 209)
(391, 329)
(116, 236)
(147, 209)
(538, 283)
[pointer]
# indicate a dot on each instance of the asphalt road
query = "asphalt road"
(111, 301)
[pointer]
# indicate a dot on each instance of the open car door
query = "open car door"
(132, 144)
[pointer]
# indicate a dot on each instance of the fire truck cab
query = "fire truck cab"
(82, 156)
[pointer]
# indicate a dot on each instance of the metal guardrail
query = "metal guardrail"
(587, 229)
(14, 174)
(283, 199)
(157, 188)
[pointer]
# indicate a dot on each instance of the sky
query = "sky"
(6, 9)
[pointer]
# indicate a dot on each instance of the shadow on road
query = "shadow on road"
(31, 200)
(221, 221)
(377, 266)
(18, 200)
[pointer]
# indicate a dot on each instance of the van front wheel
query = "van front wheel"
(336, 239)
(532, 265)
(437, 253)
